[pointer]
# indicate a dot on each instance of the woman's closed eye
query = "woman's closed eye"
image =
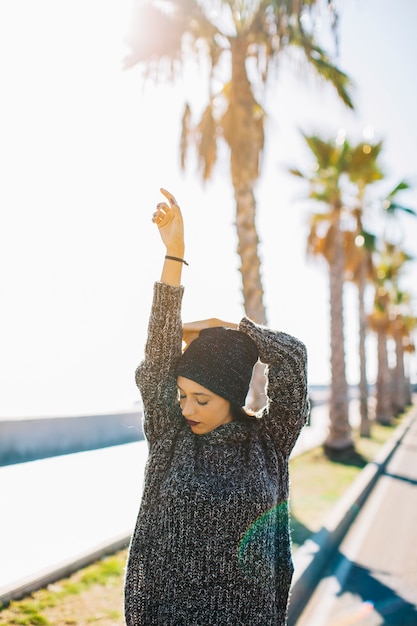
(199, 402)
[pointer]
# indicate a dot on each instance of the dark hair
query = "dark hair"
(238, 412)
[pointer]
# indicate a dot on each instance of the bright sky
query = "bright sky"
(84, 148)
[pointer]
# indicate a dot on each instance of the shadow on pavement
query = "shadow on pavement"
(407, 479)
(378, 597)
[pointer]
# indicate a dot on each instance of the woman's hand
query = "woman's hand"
(169, 220)
(191, 330)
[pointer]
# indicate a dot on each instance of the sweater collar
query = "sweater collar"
(233, 432)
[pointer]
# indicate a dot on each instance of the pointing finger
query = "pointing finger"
(169, 197)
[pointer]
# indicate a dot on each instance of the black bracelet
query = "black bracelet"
(176, 258)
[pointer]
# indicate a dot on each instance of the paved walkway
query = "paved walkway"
(59, 510)
(373, 578)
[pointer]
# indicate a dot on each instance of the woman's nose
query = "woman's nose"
(187, 408)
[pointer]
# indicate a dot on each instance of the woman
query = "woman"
(211, 545)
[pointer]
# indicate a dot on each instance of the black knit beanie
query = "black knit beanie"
(221, 359)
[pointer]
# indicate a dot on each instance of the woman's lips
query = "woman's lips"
(191, 423)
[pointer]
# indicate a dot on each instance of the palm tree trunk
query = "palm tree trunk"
(399, 401)
(408, 392)
(244, 161)
(245, 146)
(365, 424)
(251, 279)
(383, 382)
(248, 252)
(340, 432)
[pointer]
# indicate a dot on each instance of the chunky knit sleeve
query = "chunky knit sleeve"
(286, 360)
(155, 375)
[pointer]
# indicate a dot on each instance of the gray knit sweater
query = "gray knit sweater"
(211, 546)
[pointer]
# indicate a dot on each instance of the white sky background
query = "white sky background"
(84, 148)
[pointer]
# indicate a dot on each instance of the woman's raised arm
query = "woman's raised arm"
(155, 375)
(169, 220)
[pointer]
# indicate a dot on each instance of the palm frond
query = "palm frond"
(322, 150)
(185, 134)
(296, 172)
(154, 34)
(369, 240)
(339, 79)
(394, 207)
(364, 168)
(391, 206)
(402, 186)
(207, 142)
(158, 30)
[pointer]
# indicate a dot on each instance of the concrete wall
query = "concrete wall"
(24, 440)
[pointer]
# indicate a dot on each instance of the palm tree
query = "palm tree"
(379, 323)
(242, 41)
(400, 332)
(364, 170)
(393, 208)
(410, 322)
(327, 239)
(360, 246)
(386, 319)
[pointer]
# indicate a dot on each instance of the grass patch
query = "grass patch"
(94, 595)
(39, 608)
(317, 482)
